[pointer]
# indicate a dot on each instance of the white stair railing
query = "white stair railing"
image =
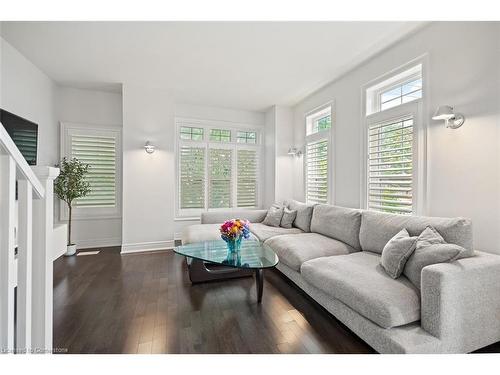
(32, 271)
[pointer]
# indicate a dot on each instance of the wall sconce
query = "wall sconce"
(149, 147)
(451, 119)
(294, 151)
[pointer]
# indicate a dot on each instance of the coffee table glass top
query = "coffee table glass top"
(252, 255)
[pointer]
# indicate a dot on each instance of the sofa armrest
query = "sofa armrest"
(461, 301)
(254, 216)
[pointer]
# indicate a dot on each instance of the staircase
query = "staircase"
(25, 315)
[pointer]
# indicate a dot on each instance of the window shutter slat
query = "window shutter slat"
(247, 180)
(317, 172)
(390, 166)
(100, 153)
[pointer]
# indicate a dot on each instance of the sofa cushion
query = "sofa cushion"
(304, 214)
(288, 218)
(337, 222)
(264, 232)
(274, 215)
(200, 232)
(359, 281)
(295, 249)
(431, 249)
(377, 228)
(396, 253)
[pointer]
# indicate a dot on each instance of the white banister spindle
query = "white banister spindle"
(24, 266)
(7, 272)
(43, 227)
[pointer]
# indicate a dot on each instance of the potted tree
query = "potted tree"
(70, 185)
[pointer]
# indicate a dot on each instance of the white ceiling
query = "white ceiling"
(245, 65)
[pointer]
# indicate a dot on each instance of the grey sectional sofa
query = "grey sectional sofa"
(337, 263)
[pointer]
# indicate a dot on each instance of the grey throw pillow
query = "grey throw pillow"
(288, 218)
(429, 236)
(431, 249)
(396, 252)
(274, 215)
(304, 214)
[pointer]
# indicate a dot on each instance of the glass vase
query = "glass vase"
(234, 245)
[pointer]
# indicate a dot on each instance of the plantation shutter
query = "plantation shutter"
(390, 166)
(317, 172)
(100, 153)
(247, 181)
(219, 176)
(192, 177)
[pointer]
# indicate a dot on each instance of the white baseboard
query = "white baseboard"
(98, 242)
(139, 247)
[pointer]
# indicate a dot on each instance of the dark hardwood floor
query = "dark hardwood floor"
(144, 303)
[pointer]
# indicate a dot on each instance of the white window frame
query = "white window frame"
(90, 213)
(194, 214)
(329, 136)
(416, 109)
(373, 90)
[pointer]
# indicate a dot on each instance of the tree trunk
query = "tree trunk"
(69, 226)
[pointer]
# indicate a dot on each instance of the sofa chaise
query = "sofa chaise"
(336, 261)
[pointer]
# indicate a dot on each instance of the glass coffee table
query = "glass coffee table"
(210, 260)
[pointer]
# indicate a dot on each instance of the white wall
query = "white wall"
(464, 164)
(269, 156)
(278, 164)
(96, 108)
(149, 179)
(27, 92)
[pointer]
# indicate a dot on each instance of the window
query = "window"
(218, 173)
(390, 166)
(247, 178)
(403, 93)
(318, 125)
(220, 135)
(246, 137)
(194, 134)
(317, 172)
(319, 121)
(192, 177)
(220, 178)
(395, 143)
(100, 147)
(99, 152)
(395, 90)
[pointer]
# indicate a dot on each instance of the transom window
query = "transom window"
(403, 93)
(191, 133)
(220, 135)
(319, 121)
(400, 88)
(221, 172)
(246, 137)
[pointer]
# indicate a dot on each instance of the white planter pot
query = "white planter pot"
(70, 250)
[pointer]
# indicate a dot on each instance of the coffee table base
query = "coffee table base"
(200, 271)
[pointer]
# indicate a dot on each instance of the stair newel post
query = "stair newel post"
(43, 254)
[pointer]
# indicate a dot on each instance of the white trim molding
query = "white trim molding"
(139, 247)
(100, 242)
